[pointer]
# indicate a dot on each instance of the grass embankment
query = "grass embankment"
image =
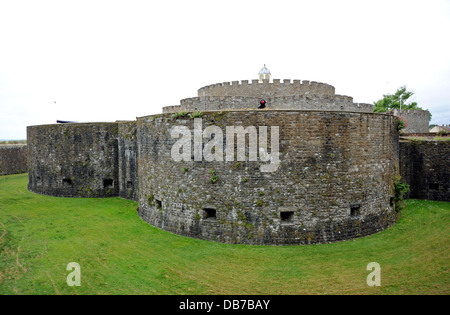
(120, 254)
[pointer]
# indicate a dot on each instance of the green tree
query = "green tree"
(393, 101)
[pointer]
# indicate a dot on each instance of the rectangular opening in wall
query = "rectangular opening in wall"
(209, 214)
(108, 183)
(129, 185)
(433, 186)
(391, 201)
(287, 217)
(355, 209)
(158, 203)
(67, 182)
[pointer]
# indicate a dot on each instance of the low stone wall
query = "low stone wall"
(425, 166)
(13, 159)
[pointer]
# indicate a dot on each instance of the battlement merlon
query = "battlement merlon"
(171, 109)
(256, 88)
(344, 98)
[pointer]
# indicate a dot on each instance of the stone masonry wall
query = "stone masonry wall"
(13, 159)
(425, 166)
(418, 120)
(74, 160)
(266, 89)
(128, 170)
(299, 102)
(334, 181)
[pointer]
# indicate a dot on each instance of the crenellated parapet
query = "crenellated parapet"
(265, 89)
(286, 94)
(299, 102)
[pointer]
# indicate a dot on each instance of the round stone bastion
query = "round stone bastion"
(269, 177)
(73, 160)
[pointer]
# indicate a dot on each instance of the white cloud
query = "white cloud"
(109, 60)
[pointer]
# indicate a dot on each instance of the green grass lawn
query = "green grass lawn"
(120, 254)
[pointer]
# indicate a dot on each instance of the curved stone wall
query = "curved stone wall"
(334, 180)
(240, 95)
(297, 102)
(73, 160)
(266, 89)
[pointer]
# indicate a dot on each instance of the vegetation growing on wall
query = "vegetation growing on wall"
(401, 122)
(400, 190)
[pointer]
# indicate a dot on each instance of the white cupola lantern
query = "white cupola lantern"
(264, 74)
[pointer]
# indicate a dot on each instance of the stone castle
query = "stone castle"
(335, 179)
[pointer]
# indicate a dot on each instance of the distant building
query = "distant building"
(440, 128)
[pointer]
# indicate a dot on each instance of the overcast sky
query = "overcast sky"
(117, 60)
